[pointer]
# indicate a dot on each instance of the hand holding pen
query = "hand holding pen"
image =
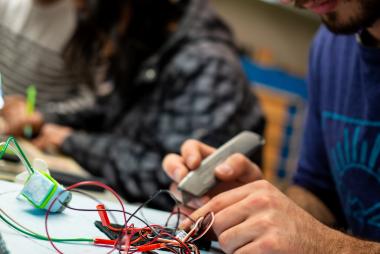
(15, 117)
(19, 113)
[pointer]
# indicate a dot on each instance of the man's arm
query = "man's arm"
(339, 243)
(310, 203)
(266, 221)
(316, 190)
(342, 243)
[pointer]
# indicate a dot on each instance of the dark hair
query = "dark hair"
(146, 33)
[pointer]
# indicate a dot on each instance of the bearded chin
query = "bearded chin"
(368, 15)
(334, 25)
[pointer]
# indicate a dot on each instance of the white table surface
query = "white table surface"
(65, 225)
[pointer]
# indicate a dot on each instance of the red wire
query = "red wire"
(114, 247)
(187, 249)
(84, 183)
(128, 238)
(127, 232)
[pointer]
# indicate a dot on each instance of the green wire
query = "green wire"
(31, 170)
(41, 237)
(5, 147)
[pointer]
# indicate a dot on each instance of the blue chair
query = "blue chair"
(283, 99)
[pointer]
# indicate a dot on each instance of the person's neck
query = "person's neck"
(46, 2)
(375, 31)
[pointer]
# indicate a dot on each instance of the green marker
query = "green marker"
(31, 94)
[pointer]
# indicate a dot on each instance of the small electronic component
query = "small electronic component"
(201, 180)
(41, 189)
(181, 234)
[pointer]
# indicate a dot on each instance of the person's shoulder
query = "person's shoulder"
(327, 40)
(323, 38)
(323, 33)
(201, 53)
(209, 48)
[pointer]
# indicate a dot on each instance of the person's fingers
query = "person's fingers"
(36, 120)
(15, 97)
(14, 104)
(174, 167)
(253, 247)
(196, 203)
(219, 203)
(15, 126)
(238, 168)
(13, 112)
(238, 239)
(4, 126)
(54, 136)
(193, 152)
(252, 208)
(49, 128)
(39, 142)
(174, 190)
(229, 217)
(192, 204)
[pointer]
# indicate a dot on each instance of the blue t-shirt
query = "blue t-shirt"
(340, 160)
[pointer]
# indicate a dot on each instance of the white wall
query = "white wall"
(262, 25)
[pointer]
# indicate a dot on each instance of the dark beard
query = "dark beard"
(369, 14)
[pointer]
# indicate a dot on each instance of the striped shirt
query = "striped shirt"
(32, 38)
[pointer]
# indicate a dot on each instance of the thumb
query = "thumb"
(238, 168)
(38, 142)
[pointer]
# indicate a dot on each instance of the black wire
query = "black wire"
(87, 195)
(154, 196)
(94, 199)
(108, 210)
(176, 213)
(133, 215)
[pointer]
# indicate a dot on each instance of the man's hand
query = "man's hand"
(258, 218)
(52, 137)
(15, 116)
(237, 170)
